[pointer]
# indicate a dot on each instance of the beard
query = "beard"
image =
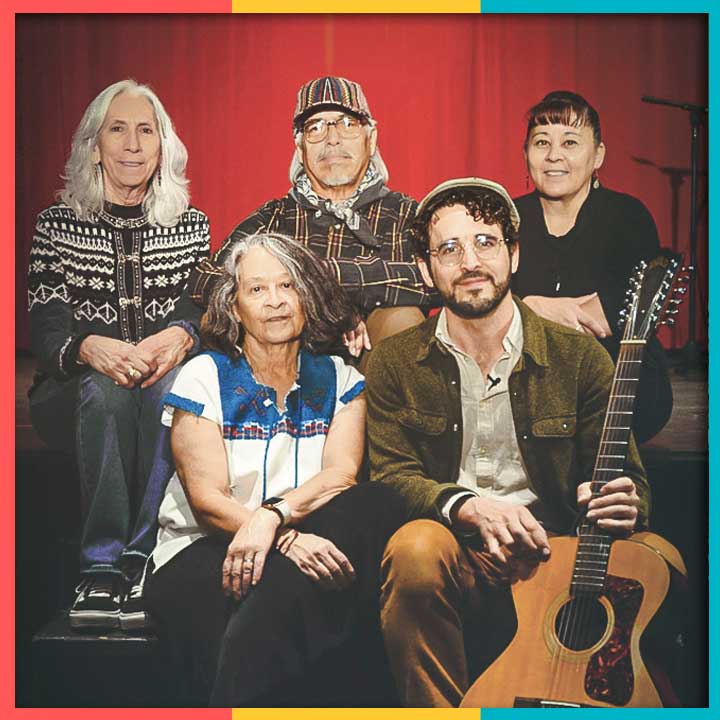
(476, 306)
(338, 175)
(338, 179)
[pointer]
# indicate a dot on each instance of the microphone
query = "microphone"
(493, 381)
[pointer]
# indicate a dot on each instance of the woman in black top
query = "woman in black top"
(580, 241)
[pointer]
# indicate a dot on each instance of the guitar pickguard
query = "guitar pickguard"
(609, 676)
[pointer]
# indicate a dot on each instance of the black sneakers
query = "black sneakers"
(107, 601)
(132, 609)
(97, 604)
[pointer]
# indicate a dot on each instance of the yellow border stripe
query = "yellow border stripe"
(355, 714)
(368, 6)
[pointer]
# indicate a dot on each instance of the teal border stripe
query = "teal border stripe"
(659, 7)
(607, 6)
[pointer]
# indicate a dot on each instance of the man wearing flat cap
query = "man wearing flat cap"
(341, 208)
(487, 419)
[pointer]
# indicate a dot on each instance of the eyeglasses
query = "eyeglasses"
(451, 252)
(347, 126)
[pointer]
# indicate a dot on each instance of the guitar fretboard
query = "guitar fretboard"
(593, 552)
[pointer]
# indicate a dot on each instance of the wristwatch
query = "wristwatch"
(280, 506)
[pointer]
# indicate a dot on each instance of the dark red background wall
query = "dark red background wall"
(449, 93)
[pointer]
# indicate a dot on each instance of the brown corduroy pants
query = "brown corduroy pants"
(446, 613)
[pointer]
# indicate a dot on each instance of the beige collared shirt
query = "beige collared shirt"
(491, 464)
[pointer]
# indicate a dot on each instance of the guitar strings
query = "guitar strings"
(614, 445)
(607, 467)
(574, 616)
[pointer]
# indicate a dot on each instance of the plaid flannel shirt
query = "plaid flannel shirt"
(373, 263)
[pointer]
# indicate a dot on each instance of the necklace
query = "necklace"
(122, 223)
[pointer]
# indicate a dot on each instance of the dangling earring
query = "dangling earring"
(596, 181)
(158, 177)
(527, 182)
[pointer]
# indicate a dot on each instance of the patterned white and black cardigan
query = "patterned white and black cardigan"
(119, 277)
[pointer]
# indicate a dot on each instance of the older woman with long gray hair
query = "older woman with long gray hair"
(268, 552)
(108, 264)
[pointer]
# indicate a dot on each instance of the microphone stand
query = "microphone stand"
(691, 355)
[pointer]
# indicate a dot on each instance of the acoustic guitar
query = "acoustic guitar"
(581, 614)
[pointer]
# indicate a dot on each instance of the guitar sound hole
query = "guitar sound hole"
(581, 622)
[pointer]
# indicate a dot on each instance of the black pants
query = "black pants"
(654, 399)
(238, 652)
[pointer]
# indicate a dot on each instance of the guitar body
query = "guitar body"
(602, 667)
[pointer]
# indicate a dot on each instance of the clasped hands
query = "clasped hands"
(512, 535)
(142, 364)
(315, 556)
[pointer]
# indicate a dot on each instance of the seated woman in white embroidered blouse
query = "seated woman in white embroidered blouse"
(265, 559)
(108, 264)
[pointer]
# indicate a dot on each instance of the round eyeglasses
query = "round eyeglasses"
(451, 252)
(347, 126)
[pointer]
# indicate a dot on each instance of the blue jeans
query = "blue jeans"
(124, 461)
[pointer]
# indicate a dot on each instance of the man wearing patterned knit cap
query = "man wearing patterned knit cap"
(340, 206)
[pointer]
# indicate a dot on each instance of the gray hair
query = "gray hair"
(297, 168)
(165, 201)
(328, 312)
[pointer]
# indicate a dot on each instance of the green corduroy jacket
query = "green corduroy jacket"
(559, 392)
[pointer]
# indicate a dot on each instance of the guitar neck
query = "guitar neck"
(594, 544)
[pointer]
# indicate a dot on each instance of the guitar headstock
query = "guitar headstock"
(653, 296)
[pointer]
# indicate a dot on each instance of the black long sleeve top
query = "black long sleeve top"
(612, 233)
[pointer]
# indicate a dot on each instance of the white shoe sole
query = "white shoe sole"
(134, 621)
(94, 619)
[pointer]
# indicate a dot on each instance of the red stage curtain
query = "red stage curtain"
(449, 93)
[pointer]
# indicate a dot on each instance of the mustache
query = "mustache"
(336, 154)
(473, 275)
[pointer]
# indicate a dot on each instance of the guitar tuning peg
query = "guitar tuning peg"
(669, 322)
(674, 301)
(672, 312)
(681, 290)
